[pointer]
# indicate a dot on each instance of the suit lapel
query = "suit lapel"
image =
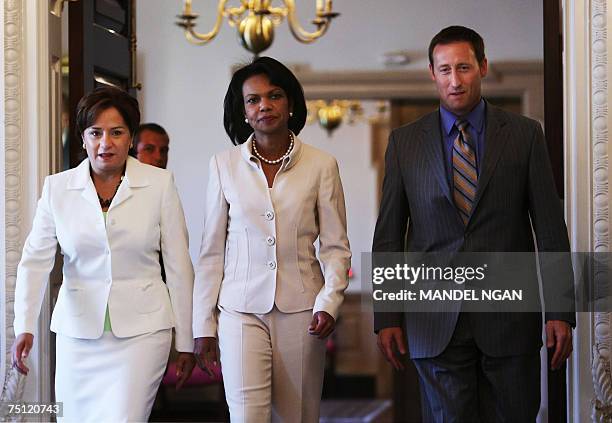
(123, 193)
(134, 178)
(81, 180)
(89, 194)
(495, 140)
(432, 140)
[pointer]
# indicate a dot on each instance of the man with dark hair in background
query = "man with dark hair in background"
(471, 177)
(151, 145)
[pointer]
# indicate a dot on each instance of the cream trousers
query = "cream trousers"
(272, 367)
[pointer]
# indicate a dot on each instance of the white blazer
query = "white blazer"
(258, 244)
(114, 263)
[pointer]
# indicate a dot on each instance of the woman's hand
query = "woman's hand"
(184, 366)
(205, 351)
(20, 351)
(322, 324)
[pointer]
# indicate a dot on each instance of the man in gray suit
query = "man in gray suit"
(470, 177)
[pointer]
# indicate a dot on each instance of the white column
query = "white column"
(13, 134)
(3, 326)
(586, 75)
(24, 161)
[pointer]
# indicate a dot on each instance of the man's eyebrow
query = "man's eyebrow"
(114, 127)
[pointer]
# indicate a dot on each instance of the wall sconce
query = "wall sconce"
(331, 113)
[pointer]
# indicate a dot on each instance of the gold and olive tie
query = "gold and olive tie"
(465, 172)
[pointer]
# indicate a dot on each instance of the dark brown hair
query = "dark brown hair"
(153, 127)
(453, 34)
(103, 98)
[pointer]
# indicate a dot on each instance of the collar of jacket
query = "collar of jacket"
(247, 153)
(134, 175)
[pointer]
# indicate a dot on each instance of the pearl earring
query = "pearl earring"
(290, 114)
(246, 120)
(84, 146)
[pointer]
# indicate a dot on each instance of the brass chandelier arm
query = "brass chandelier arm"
(277, 11)
(198, 38)
(234, 14)
(298, 31)
(256, 29)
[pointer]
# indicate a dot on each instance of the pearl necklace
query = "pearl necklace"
(280, 159)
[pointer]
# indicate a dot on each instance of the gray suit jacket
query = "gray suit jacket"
(515, 190)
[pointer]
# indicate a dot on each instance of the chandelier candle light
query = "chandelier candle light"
(331, 113)
(256, 29)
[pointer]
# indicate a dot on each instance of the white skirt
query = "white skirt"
(110, 379)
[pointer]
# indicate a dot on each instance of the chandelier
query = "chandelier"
(255, 20)
(330, 114)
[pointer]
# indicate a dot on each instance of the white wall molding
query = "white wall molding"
(600, 242)
(26, 162)
(13, 93)
(3, 327)
(586, 117)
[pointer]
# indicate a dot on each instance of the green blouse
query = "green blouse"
(107, 323)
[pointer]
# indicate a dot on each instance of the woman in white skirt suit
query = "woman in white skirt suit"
(111, 217)
(259, 287)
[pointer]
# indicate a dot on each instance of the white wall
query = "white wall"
(184, 85)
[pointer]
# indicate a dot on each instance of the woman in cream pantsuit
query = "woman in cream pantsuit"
(111, 216)
(259, 286)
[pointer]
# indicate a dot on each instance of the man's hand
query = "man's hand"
(389, 341)
(184, 366)
(322, 324)
(20, 351)
(205, 352)
(558, 335)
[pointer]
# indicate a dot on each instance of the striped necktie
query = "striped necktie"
(465, 172)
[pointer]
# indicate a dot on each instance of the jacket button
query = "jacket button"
(271, 265)
(270, 240)
(269, 215)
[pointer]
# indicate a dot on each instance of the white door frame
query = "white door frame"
(30, 86)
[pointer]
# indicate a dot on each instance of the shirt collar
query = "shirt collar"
(247, 152)
(475, 118)
(135, 174)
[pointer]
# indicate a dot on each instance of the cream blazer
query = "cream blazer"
(114, 263)
(258, 244)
